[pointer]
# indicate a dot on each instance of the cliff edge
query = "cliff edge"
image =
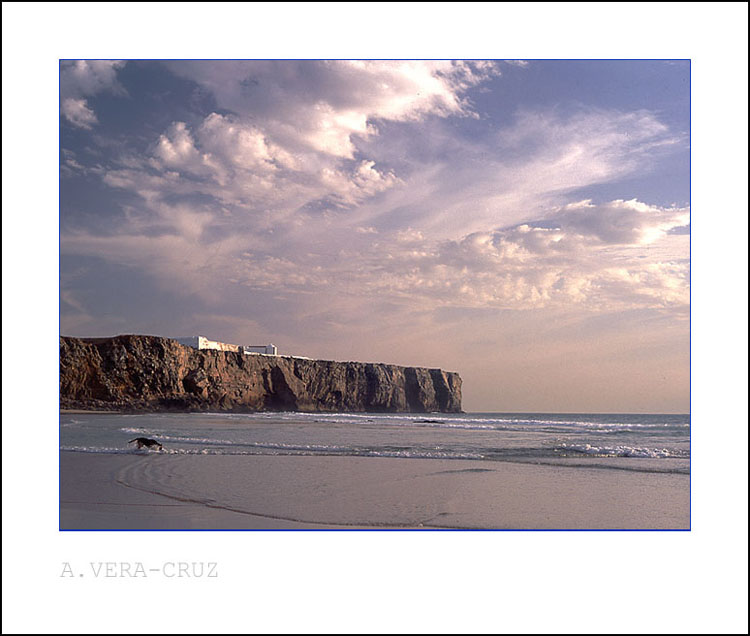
(159, 374)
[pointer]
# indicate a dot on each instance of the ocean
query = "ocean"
(632, 442)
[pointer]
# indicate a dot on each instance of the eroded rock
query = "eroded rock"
(159, 374)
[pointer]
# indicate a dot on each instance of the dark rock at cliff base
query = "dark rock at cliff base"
(148, 373)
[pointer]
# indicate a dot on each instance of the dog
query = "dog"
(140, 442)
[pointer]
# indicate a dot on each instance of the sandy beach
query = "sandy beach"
(156, 491)
(92, 498)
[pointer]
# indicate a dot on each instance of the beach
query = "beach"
(231, 492)
(92, 498)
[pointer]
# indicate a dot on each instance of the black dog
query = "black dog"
(140, 442)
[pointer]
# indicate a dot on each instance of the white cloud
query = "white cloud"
(324, 105)
(291, 142)
(626, 222)
(532, 164)
(89, 77)
(77, 113)
(238, 165)
(521, 267)
(599, 255)
(299, 196)
(84, 78)
(176, 149)
(527, 266)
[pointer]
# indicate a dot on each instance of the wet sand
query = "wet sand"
(157, 491)
(91, 498)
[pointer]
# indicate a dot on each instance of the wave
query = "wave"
(622, 451)
(436, 419)
(180, 439)
(279, 449)
(514, 426)
(218, 447)
(109, 450)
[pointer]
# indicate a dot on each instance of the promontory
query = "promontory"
(151, 373)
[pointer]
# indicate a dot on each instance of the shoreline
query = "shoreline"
(167, 411)
(264, 492)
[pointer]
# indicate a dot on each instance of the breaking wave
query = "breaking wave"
(622, 451)
(618, 441)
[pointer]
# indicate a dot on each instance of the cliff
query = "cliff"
(158, 374)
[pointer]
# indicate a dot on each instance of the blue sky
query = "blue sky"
(525, 223)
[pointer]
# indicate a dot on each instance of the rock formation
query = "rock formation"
(158, 374)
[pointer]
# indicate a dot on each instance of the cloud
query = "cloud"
(85, 78)
(324, 105)
(77, 113)
(291, 135)
(532, 164)
(623, 222)
(573, 261)
(597, 255)
(600, 138)
(520, 267)
(237, 165)
(334, 184)
(535, 162)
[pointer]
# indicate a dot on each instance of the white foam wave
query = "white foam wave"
(622, 451)
(440, 420)
(109, 450)
(283, 449)
(195, 440)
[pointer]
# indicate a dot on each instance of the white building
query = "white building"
(269, 349)
(201, 342)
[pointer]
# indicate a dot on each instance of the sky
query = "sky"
(525, 223)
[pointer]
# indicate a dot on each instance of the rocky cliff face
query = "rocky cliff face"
(152, 373)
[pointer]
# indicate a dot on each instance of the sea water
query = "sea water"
(634, 442)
